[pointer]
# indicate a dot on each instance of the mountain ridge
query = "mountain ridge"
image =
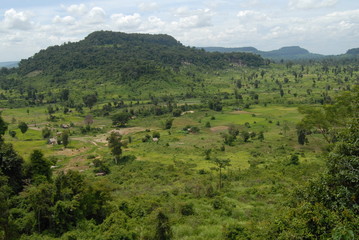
(283, 53)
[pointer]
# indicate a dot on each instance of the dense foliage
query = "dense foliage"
(128, 55)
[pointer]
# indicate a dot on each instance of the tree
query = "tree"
(115, 145)
(120, 118)
(88, 120)
(261, 136)
(326, 120)
(215, 104)
(220, 165)
(40, 199)
(168, 123)
(281, 92)
(65, 139)
(11, 165)
(90, 100)
(12, 133)
(301, 134)
(23, 127)
(156, 134)
(39, 166)
(46, 132)
(5, 225)
(64, 94)
(245, 135)
(163, 228)
(3, 126)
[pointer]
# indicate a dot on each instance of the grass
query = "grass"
(174, 171)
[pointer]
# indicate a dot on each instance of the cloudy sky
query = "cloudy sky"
(321, 26)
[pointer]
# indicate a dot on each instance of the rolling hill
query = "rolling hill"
(285, 53)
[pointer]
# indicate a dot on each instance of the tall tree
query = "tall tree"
(115, 145)
(65, 138)
(220, 165)
(39, 166)
(90, 100)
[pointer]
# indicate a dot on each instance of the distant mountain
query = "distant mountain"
(353, 51)
(240, 49)
(128, 56)
(285, 53)
(9, 64)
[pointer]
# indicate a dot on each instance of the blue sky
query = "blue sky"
(321, 26)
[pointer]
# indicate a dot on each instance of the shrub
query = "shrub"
(187, 209)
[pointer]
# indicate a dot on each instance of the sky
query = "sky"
(320, 26)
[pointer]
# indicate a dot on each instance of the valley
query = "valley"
(144, 138)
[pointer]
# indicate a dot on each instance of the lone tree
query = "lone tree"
(168, 123)
(115, 144)
(65, 139)
(220, 165)
(120, 119)
(46, 132)
(90, 100)
(88, 120)
(23, 127)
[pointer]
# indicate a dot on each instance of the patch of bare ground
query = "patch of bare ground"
(124, 131)
(76, 164)
(240, 112)
(71, 152)
(219, 128)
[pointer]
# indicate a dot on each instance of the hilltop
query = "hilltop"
(129, 56)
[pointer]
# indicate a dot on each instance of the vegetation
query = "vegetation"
(133, 136)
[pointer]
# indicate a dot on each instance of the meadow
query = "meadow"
(173, 169)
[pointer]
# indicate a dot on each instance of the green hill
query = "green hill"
(129, 56)
(353, 51)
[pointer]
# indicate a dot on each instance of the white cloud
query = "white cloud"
(122, 21)
(145, 6)
(77, 10)
(96, 15)
(193, 19)
(252, 15)
(310, 4)
(153, 24)
(66, 20)
(17, 20)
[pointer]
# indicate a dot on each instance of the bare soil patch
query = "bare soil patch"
(124, 131)
(219, 128)
(240, 112)
(71, 152)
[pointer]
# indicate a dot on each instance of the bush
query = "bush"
(187, 209)
(46, 132)
(12, 133)
(168, 123)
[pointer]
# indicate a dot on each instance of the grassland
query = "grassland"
(175, 171)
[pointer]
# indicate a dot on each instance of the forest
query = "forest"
(135, 136)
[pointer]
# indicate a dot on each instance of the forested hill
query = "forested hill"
(284, 53)
(130, 55)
